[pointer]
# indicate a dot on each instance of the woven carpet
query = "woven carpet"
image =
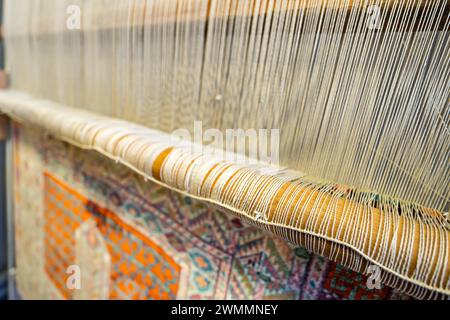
(133, 239)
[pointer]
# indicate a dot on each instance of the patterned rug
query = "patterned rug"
(88, 228)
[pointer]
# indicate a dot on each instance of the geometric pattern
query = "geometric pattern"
(155, 243)
(140, 269)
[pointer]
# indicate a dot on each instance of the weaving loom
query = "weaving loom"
(358, 91)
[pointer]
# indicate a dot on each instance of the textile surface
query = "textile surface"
(406, 244)
(133, 239)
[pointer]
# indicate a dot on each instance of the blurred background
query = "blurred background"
(3, 228)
